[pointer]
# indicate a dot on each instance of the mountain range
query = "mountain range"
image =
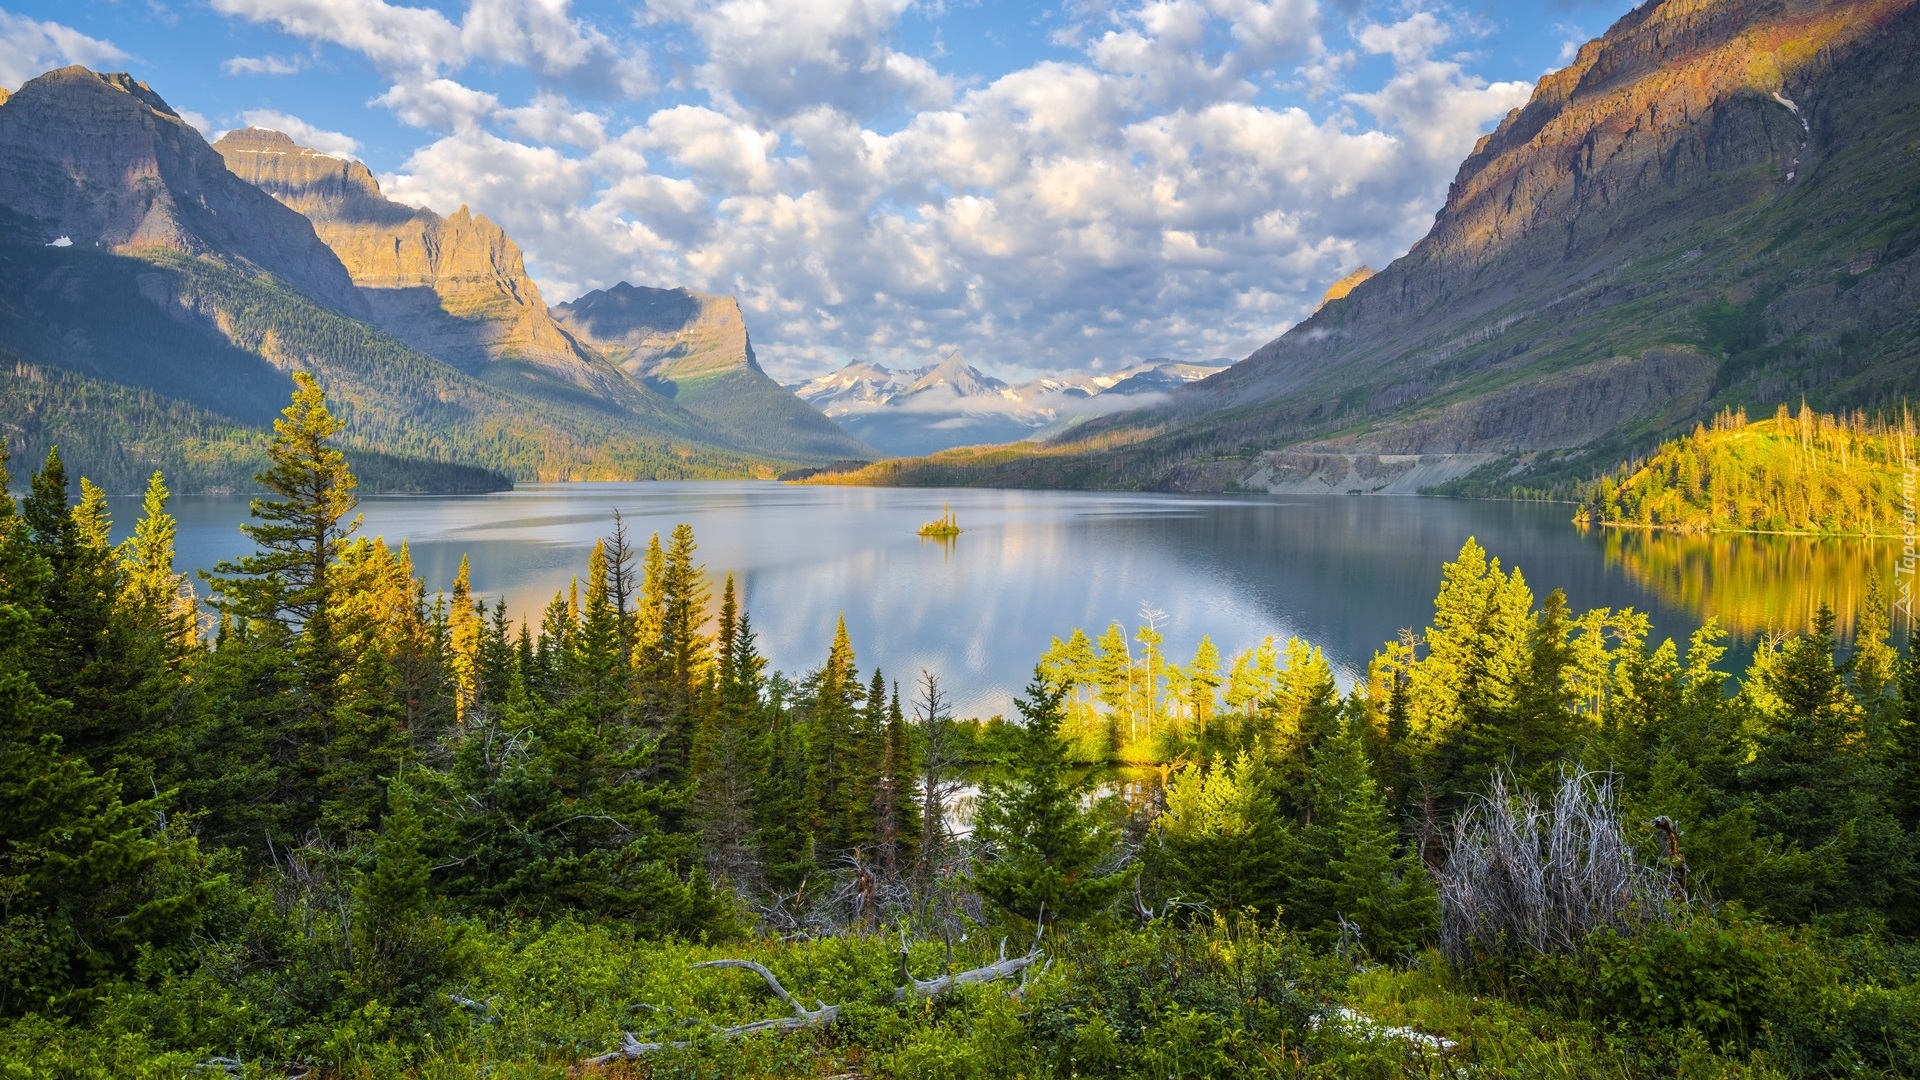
(1713, 205)
(155, 293)
(949, 404)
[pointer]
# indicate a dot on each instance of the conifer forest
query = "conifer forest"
(338, 821)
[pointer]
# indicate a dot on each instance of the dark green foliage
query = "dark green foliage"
(446, 846)
(1044, 856)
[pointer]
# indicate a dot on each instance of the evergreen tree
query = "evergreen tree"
(1221, 840)
(1346, 866)
(464, 622)
(283, 599)
(834, 746)
(1812, 783)
(1042, 854)
(88, 881)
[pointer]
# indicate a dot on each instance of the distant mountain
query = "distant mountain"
(1714, 205)
(152, 303)
(949, 404)
(694, 349)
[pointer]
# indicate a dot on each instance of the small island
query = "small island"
(944, 527)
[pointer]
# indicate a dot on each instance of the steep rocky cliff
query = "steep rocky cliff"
(152, 304)
(104, 162)
(453, 287)
(694, 349)
(1713, 204)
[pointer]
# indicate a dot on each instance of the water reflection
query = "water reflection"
(1752, 583)
(1343, 572)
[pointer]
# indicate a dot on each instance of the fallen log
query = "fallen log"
(1003, 968)
(823, 1014)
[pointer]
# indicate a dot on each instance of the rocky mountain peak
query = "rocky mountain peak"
(322, 187)
(662, 334)
(953, 375)
(454, 287)
(104, 160)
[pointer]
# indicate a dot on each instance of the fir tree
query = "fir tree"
(463, 643)
(1042, 853)
(1347, 870)
(1221, 840)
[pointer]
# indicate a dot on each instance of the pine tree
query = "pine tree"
(833, 741)
(157, 594)
(89, 882)
(896, 817)
(724, 762)
(1387, 898)
(1812, 783)
(1043, 855)
(284, 599)
(463, 643)
(1222, 839)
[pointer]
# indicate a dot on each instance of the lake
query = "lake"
(1346, 572)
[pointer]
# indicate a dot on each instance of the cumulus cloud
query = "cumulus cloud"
(781, 57)
(264, 65)
(334, 143)
(29, 47)
(1186, 185)
(420, 43)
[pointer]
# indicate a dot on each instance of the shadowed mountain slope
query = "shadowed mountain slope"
(1712, 205)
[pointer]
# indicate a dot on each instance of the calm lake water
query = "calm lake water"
(1345, 572)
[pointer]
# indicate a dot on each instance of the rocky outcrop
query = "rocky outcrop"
(454, 287)
(663, 336)
(694, 348)
(104, 162)
(1345, 285)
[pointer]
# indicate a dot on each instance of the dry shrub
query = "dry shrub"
(1518, 877)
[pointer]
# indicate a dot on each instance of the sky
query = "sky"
(1068, 186)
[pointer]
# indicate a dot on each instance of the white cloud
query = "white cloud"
(264, 65)
(439, 103)
(1186, 187)
(29, 47)
(781, 57)
(198, 122)
(333, 143)
(420, 44)
(398, 39)
(550, 118)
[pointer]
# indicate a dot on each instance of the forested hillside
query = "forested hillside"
(335, 820)
(1810, 473)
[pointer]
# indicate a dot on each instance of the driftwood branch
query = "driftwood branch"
(1003, 968)
(823, 1014)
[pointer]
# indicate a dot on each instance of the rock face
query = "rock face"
(1712, 205)
(1345, 285)
(453, 287)
(694, 349)
(103, 161)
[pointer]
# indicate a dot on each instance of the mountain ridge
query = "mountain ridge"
(694, 349)
(951, 403)
(180, 279)
(1710, 207)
